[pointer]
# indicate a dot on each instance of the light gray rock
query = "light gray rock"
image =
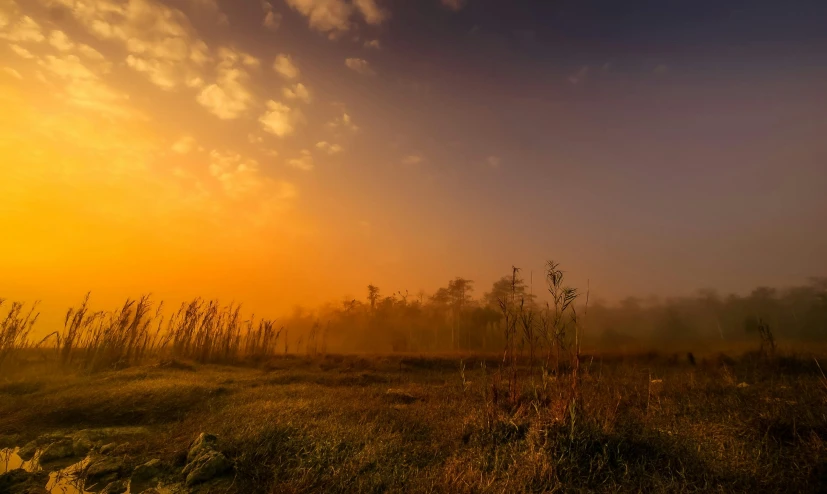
(203, 443)
(82, 445)
(108, 448)
(207, 466)
(103, 470)
(116, 487)
(146, 475)
(28, 451)
(19, 481)
(62, 448)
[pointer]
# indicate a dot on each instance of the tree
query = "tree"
(373, 296)
(501, 290)
(459, 293)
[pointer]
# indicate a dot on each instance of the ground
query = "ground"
(416, 424)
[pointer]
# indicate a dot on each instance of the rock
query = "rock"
(103, 470)
(9, 440)
(108, 448)
(207, 466)
(116, 487)
(203, 443)
(81, 446)
(19, 481)
(62, 448)
(146, 475)
(401, 396)
(28, 451)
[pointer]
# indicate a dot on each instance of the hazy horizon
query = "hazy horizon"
(290, 152)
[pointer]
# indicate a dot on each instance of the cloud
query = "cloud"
(90, 53)
(374, 43)
(229, 97)
(304, 162)
(82, 87)
(279, 119)
(60, 41)
(343, 122)
(272, 19)
(284, 66)
(160, 40)
(299, 92)
(210, 7)
(254, 139)
(23, 29)
(661, 69)
(184, 145)
(455, 5)
(330, 149)
(326, 16)
(493, 162)
(412, 160)
(238, 176)
(371, 12)
(13, 73)
(359, 65)
(580, 75)
(21, 52)
(333, 17)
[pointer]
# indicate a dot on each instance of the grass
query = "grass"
(539, 415)
(330, 424)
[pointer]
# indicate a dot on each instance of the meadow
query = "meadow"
(447, 424)
(207, 399)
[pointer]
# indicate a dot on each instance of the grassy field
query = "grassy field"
(415, 424)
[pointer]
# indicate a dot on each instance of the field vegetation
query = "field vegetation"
(436, 394)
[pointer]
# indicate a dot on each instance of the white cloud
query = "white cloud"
(330, 149)
(344, 122)
(184, 145)
(279, 119)
(60, 41)
(238, 176)
(285, 67)
(83, 88)
(303, 162)
(21, 52)
(90, 53)
(359, 65)
(412, 160)
(10, 71)
(580, 75)
(371, 12)
(228, 97)
(209, 7)
(21, 30)
(299, 92)
(454, 5)
(160, 40)
(272, 19)
(327, 16)
(374, 43)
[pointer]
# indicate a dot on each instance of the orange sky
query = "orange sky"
(281, 153)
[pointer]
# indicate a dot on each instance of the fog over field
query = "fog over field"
(288, 246)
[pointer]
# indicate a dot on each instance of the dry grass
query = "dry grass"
(330, 424)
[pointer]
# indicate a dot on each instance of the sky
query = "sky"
(292, 151)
